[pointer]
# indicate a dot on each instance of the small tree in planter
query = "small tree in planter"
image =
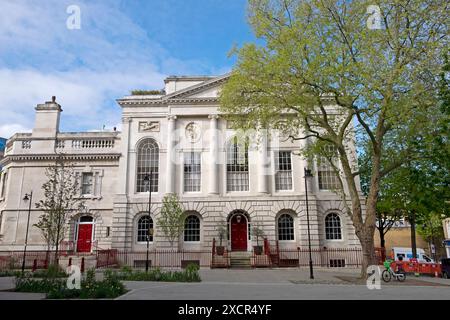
(222, 232)
(171, 220)
(258, 233)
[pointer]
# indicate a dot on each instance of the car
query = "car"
(445, 266)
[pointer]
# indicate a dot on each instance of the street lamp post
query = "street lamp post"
(148, 180)
(308, 175)
(27, 197)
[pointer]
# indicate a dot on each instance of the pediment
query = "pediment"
(206, 90)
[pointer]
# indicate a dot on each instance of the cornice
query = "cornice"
(51, 157)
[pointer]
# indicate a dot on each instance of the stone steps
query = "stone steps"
(240, 260)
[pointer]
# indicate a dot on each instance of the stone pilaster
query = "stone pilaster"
(213, 152)
(170, 174)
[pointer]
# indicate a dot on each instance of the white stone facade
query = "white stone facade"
(184, 119)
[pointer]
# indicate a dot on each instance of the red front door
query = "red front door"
(84, 237)
(238, 233)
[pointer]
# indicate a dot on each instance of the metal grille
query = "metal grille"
(283, 176)
(333, 227)
(87, 183)
(192, 228)
(145, 223)
(328, 179)
(192, 171)
(147, 160)
(237, 165)
(285, 227)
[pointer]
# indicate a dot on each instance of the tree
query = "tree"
(318, 72)
(60, 200)
(171, 220)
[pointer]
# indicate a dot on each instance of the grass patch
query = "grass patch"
(190, 274)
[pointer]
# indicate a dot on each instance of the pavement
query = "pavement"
(270, 284)
(287, 284)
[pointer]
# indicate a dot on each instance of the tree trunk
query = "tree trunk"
(412, 222)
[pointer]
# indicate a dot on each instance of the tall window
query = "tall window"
(192, 171)
(87, 182)
(145, 223)
(328, 179)
(285, 227)
(333, 227)
(283, 176)
(192, 228)
(147, 160)
(237, 165)
(4, 180)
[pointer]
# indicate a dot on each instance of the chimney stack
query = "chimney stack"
(47, 119)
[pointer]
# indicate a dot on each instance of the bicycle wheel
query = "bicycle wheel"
(401, 276)
(386, 275)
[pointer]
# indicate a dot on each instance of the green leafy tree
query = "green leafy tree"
(419, 189)
(171, 220)
(318, 72)
(60, 200)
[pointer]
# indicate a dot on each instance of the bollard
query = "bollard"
(70, 262)
(34, 265)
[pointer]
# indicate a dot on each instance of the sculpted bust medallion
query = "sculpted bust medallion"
(193, 132)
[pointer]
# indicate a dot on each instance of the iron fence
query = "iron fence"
(157, 258)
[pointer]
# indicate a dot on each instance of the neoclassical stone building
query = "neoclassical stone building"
(192, 151)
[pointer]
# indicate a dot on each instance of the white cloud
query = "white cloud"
(86, 69)
(7, 130)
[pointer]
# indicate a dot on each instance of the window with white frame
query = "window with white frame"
(147, 161)
(328, 178)
(285, 227)
(333, 227)
(87, 183)
(4, 180)
(237, 165)
(192, 171)
(144, 228)
(192, 228)
(283, 175)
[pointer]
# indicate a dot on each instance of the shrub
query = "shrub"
(190, 274)
(9, 273)
(53, 271)
(109, 287)
(28, 284)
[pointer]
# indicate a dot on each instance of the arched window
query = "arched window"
(147, 161)
(237, 165)
(192, 228)
(145, 224)
(285, 227)
(333, 227)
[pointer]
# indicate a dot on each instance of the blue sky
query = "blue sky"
(122, 45)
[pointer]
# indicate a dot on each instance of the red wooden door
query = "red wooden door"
(238, 233)
(84, 237)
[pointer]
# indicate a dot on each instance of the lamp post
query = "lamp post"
(27, 197)
(148, 179)
(308, 175)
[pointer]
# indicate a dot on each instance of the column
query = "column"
(213, 155)
(170, 175)
(263, 163)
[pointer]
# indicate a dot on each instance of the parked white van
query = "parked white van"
(406, 253)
